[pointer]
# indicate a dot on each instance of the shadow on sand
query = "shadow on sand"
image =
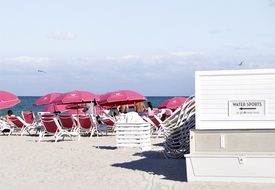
(159, 144)
(106, 147)
(154, 162)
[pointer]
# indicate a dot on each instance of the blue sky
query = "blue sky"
(153, 47)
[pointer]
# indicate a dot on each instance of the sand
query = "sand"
(27, 164)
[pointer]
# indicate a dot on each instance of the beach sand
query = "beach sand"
(27, 164)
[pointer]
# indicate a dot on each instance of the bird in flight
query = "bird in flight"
(241, 63)
(41, 71)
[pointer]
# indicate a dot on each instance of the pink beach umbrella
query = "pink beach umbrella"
(172, 103)
(8, 99)
(75, 111)
(71, 109)
(76, 97)
(75, 108)
(120, 97)
(47, 99)
(54, 108)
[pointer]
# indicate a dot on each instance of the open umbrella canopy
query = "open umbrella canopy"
(76, 97)
(47, 99)
(69, 108)
(54, 108)
(8, 99)
(75, 111)
(120, 97)
(172, 103)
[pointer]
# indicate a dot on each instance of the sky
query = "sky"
(150, 46)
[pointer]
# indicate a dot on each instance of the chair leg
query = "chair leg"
(56, 138)
(41, 135)
(71, 137)
(92, 132)
(36, 130)
(11, 130)
(22, 131)
(28, 129)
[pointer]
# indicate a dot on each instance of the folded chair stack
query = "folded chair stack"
(176, 130)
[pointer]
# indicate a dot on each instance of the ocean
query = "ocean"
(27, 104)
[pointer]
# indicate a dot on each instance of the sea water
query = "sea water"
(27, 104)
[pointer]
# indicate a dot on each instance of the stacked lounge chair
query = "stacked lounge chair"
(177, 128)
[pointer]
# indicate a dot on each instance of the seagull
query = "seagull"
(241, 63)
(41, 71)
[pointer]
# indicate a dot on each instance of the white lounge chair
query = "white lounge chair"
(177, 129)
(156, 124)
(85, 125)
(19, 124)
(67, 122)
(52, 127)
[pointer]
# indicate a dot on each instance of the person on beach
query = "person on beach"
(150, 108)
(100, 125)
(122, 111)
(163, 117)
(90, 108)
(5, 123)
(114, 115)
(9, 113)
(140, 108)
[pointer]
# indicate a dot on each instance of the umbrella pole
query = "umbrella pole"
(94, 115)
(78, 125)
(97, 139)
(93, 104)
(96, 127)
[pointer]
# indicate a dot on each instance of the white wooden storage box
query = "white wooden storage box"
(231, 167)
(234, 139)
(235, 99)
(231, 155)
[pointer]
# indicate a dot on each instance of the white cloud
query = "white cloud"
(157, 58)
(29, 59)
(127, 57)
(272, 2)
(184, 53)
(155, 74)
(57, 35)
(124, 57)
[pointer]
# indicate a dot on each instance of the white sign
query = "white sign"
(246, 108)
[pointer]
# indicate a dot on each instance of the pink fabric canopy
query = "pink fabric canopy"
(8, 99)
(120, 97)
(70, 109)
(47, 99)
(54, 108)
(172, 103)
(75, 111)
(76, 97)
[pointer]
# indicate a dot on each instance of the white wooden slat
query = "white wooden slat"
(132, 132)
(127, 140)
(133, 135)
(131, 129)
